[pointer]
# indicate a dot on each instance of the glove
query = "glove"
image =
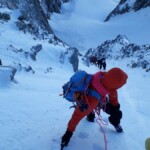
(90, 117)
(115, 116)
(119, 128)
(110, 109)
(66, 138)
(115, 110)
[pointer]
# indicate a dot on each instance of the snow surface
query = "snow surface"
(83, 22)
(32, 114)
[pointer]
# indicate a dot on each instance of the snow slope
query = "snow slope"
(32, 114)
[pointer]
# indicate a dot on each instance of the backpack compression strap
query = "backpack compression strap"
(94, 93)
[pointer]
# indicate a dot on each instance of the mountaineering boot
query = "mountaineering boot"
(118, 128)
(90, 117)
(66, 138)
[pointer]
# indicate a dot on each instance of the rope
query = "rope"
(105, 141)
(99, 120)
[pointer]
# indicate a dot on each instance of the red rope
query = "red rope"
(103, 133)
(99, 120)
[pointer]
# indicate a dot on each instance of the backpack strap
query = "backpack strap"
(97, 85)
(82, 80)
(94, 93)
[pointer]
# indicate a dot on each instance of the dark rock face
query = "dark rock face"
(27, 27)
(51, 6)
(4, 16)
(35, 50)
(48, 5)
(23, 57)
(139, 4)
(72, 54)
(35, 14)
(7, 73)
(124, 6)
(11, 4)
(65, 1)
(28, 69)
(26, 54)
(117, 11)
(74, 60)
(120, 48)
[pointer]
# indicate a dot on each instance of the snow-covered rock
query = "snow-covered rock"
(7, 74)
(120, 48)
(125, 6)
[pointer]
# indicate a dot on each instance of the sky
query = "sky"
(34, 116)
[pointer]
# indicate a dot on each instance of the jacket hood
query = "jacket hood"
(114, 78)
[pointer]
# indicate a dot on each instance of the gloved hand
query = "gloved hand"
(66, 138)
(110, 109)
(119, 128)
(115, 116)
(90, 117)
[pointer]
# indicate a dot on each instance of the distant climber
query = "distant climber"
(102, 63)
(93, 60)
